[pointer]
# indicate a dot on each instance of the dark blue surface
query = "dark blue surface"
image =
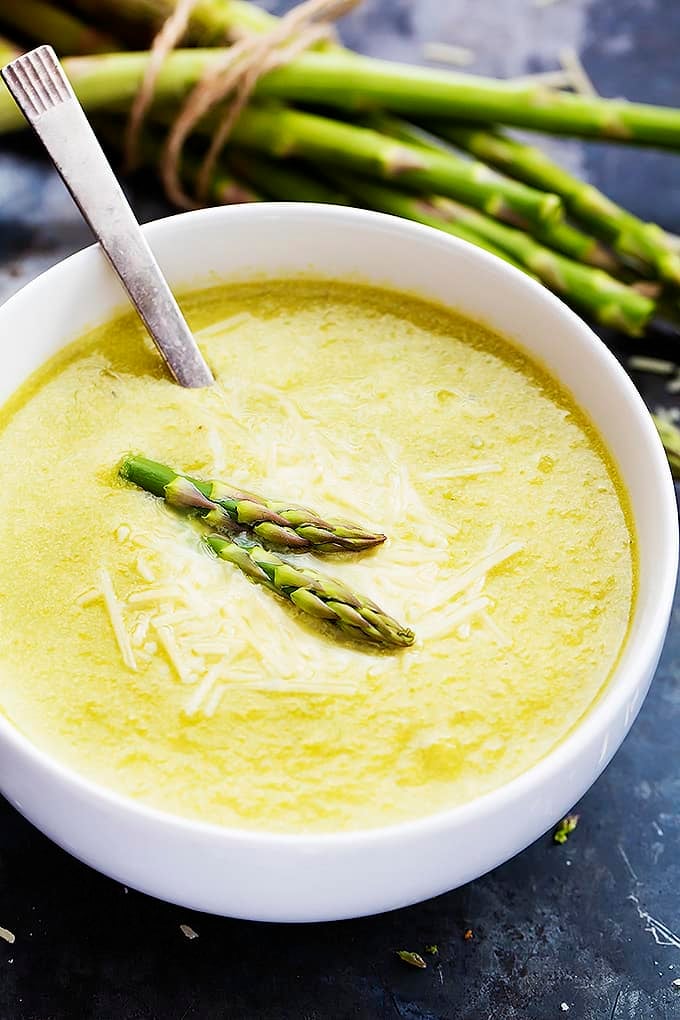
(595, 924)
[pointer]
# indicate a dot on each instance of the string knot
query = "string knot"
(232, 79)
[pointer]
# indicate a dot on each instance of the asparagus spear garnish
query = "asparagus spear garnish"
(226, 507)
(646, 243)
(612, 303)
(322, 597)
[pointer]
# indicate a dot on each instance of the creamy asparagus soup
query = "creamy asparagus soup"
(232, 680)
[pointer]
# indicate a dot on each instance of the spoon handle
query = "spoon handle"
(45, 97)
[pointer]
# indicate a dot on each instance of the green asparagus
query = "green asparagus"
(322, 597)
(8, 51)
(224, 187)
(351, 82)
(278, 131)
(212, 22)
(612, 303)
(670, 437)
(43, 22)
(645, 243)
(382, 198)
(559, 235)
(278, 523)
(280, 180)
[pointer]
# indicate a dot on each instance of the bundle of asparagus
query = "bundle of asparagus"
(508, 198)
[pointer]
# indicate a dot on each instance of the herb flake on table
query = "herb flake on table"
(413, 959)
(565, 828)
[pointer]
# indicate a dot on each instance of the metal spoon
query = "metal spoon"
(44, 95)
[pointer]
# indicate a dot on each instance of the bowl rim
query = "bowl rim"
(591, 726)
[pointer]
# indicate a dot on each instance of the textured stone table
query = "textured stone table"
(590, 930)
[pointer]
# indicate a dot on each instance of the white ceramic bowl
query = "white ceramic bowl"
(320, 877)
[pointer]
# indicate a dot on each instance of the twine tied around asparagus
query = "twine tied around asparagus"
(233, 79)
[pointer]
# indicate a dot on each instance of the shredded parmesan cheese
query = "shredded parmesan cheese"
(465, 472)
(153, 596)
(167, 642)
(212, 704)
(444, 53)
(207, 617)
(657, 366)
(477, 587)
(549, 79)
(301, 687)
(116, 617)
(143, 569)
(202, 692)
(141, 630)
(216, 330)
(501, 638)
(218, 453)
(440, 624)
(479, 569)
(571, 62)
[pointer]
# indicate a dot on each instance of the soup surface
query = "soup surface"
(133, 656)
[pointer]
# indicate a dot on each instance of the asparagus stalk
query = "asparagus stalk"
(212, 22)
(612, 303)
(348, 81)
(282, 181)
(356, 83)
(8, 51)
(277, 181)
(670, 437)
(383, 198)
(351, 82)
(559, 235)
(41, 21)
(645, 243)
(279, 131)
(224, 506)
(322, 597)
(224, 188)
